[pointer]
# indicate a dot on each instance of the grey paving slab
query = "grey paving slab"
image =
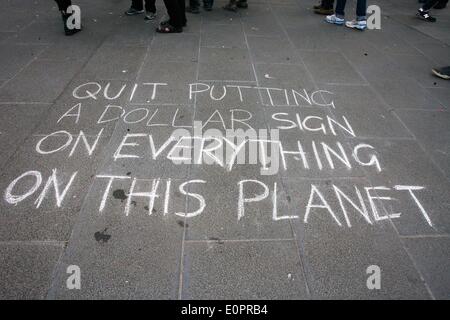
(37, 212)
(340, 71)
(400, 91)
(40, 81)
(225, 64)
(17, 122)
(177, 76)
(108, 63)
(271, 50)
(223, 36)
(215, 270)
(16, 57)
(27, 269)
(175, 48)
(432, 131)
(146, 249)
(222, 217)
(431, 257)
(362, 123)
(403, 163)
(336, 257)
(367, 115)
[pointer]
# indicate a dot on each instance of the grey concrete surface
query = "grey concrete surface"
(87, 177)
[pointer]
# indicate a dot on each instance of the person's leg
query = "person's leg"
(182, 8)
(360, 23)
(429, 4)
(62, 6)
(441, 4)
(137, 7)
(326, 7)
(361, 10)
(340, 7)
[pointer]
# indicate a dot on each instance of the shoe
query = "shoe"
(192, 10)
(359, 25)
(443, 73)
(67, 31)
(242, 4)
(150, 15)
(335, 20)
(133, 12)
(425, 15)
(324, 11)
(207, 8)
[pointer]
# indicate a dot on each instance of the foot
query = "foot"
(359, 25)
(168, 29)
(192, 10)
(443, 73)
(150, 15)
(207, 7)
(425, 15)
(335, 20)
(133, 12)
(324, 11)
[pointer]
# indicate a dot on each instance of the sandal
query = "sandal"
(168, 29)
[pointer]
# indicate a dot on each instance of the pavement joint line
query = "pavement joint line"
(421, 110)
(425, 236)
(240, 240)
(304, 268)
(34, 243)
(78, 217)
(186, 202)
(25, 103)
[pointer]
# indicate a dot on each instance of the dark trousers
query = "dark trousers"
(139, 5)
(361, 8)
(327, 4)
(63, 4)
(429, 4)
(175, 10)
(196, 3)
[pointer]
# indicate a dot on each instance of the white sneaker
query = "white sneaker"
(360, 25)
(334, 20)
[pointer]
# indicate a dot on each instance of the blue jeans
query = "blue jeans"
(361, 8)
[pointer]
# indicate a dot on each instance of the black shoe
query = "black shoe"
(443, 73)
(425, 15)
(132, 11)
(67, 31)
(242, 4)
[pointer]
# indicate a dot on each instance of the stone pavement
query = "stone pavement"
(88, 179)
